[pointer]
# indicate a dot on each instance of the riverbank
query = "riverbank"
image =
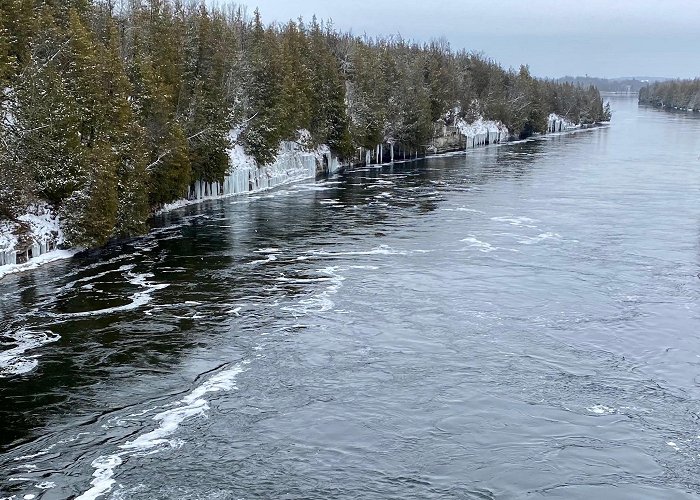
(41, 237)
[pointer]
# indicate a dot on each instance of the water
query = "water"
(518, 322)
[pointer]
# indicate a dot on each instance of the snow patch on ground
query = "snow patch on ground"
(40, 228)
(36, 262)
(8, 240)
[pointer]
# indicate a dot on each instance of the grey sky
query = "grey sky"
(597, 37)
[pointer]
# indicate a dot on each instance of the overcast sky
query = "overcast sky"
(607, 38)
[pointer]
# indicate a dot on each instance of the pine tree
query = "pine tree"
(207, 116)
(170, 172)
(90, 213)
(263, 131)
(296, 86)
(329, 115)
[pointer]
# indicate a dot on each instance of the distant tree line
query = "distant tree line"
(107, 112)
(632, 85)
(680, 94)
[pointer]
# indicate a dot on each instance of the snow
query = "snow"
(8, 240)
(36, 262)
(43, 231)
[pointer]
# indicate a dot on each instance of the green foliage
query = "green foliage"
(90, 213)
(264, 89)
(171, 171)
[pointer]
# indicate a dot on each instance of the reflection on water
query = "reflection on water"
(514, 321)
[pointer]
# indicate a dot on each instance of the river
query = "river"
(520, 321)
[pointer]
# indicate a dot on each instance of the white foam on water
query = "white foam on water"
(540, 237)
(158, 439)
(313, 187)
(103, 476)
(380, 250)
(169, 420)
(516, 221)
(94, 277)
(270, 258)
(303, 280)
(13, 361)
(138, 299)
(36, 262)
(462, 209)
(320, 302)
(482, 246)
(601, 410)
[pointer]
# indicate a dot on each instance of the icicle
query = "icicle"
(392, 152)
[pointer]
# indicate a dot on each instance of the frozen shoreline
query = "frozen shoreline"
(36, 262)
(294, 163)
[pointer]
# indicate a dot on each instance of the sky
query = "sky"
(604, 38)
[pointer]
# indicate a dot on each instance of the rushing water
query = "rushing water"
(518, 321)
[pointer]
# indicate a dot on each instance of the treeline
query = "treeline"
(630, 84)
(680, 94)
(109, 112)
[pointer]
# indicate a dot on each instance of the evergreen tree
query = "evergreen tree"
(264, 129)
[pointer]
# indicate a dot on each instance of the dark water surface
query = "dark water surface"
(521, 321)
